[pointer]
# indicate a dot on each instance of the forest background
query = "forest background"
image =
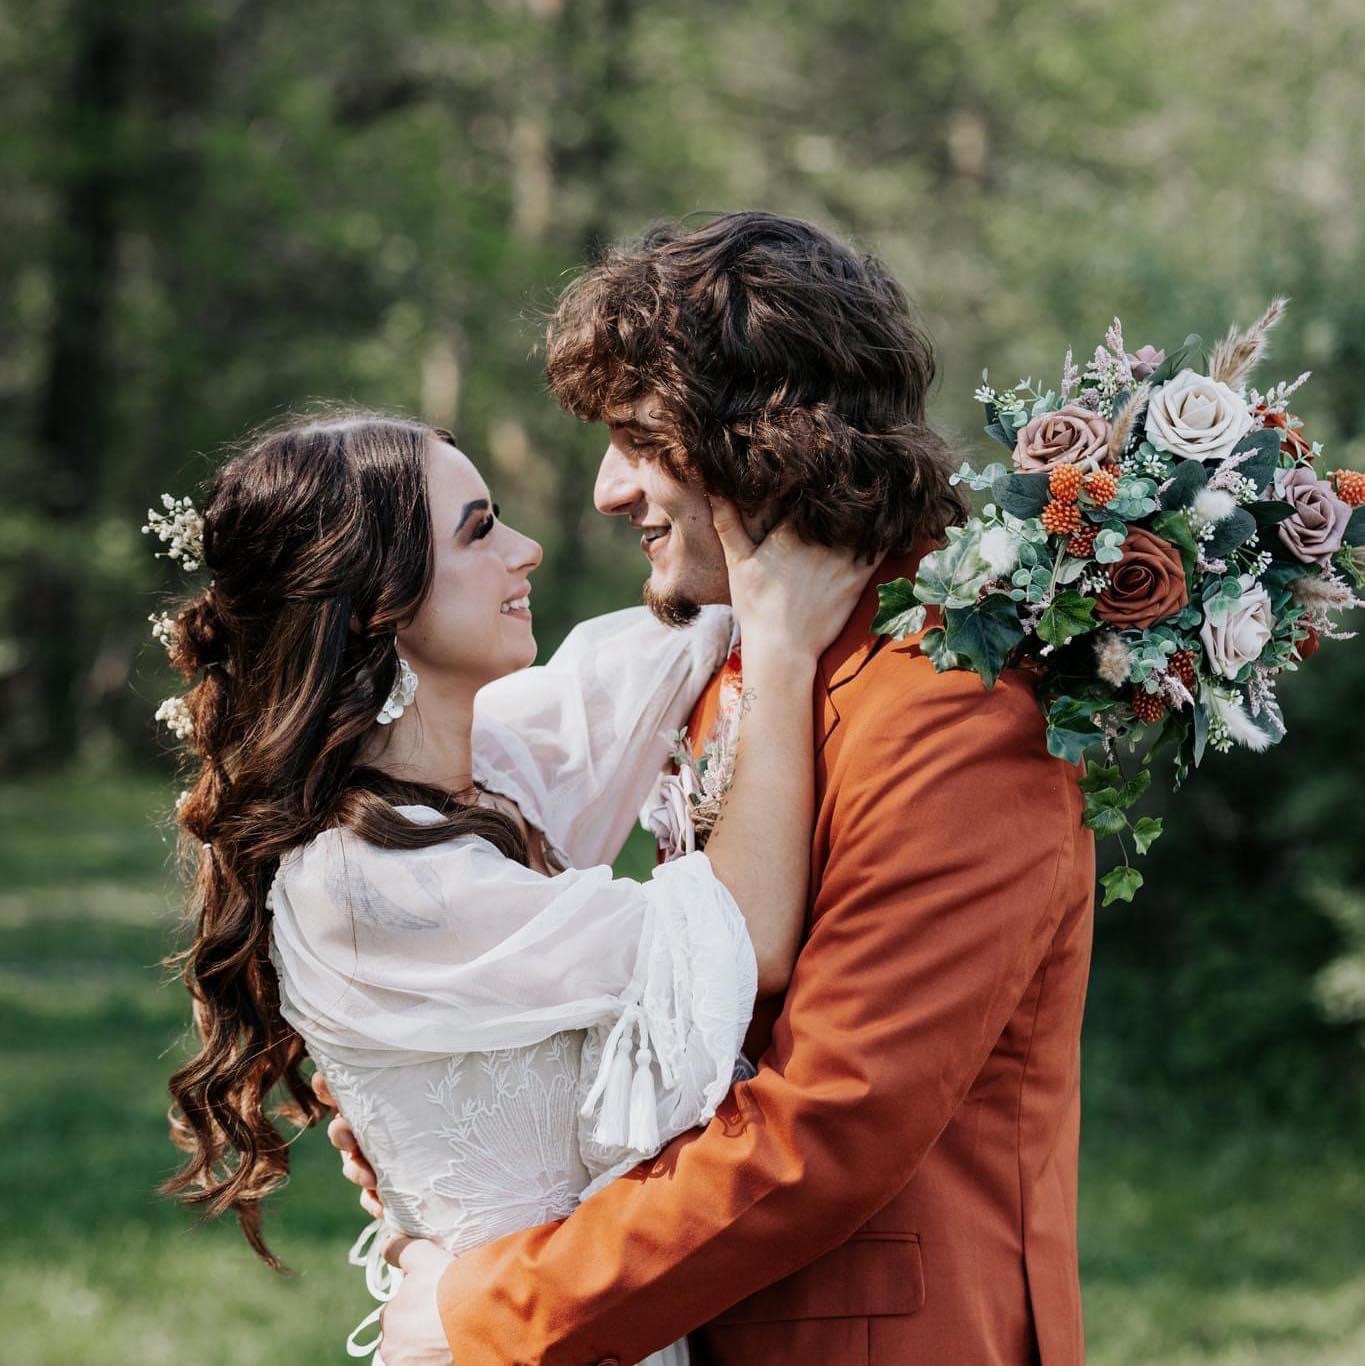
(216, 210)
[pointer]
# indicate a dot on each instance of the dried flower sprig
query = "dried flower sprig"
(179, 527)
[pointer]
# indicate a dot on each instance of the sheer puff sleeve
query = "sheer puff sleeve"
(388, 956)
(578, 742)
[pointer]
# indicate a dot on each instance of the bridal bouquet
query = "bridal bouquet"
(1162, 546)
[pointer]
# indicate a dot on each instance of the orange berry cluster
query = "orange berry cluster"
(1101, 486)
(1082, 542)
(1064, 483)
(1061, 519)
(1148, 707)
(1350, 486)
(1183, 666)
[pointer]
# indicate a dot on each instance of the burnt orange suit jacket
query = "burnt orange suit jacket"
(898, 1183)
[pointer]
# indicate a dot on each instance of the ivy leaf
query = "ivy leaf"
(1098, 776)
(1119, 884)
(1022, 495)
(1068, 615)
(1136, 786)
(953, 575)
(984, 635)
(1237, 528)
(1190, 476)
(932, 645)
(1070, 727)
(898, 615)
(1106, 820)
(1146, 833)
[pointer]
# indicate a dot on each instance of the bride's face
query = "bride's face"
(475, 624)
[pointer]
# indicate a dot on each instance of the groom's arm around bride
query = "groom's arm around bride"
(897, 1184)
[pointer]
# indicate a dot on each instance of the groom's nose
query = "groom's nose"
(617, 490)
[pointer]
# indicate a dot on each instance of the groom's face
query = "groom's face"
(686, 563)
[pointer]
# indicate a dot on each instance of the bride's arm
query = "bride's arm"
(792, 600)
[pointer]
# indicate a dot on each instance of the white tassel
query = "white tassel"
(644, 1112)
(614, 1118)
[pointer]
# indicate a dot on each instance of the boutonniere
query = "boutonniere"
(684, 805)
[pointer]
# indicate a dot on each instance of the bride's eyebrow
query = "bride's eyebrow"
(478, 505)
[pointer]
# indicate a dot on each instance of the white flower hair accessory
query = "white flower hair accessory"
(180, 528)
(400, 696)
(175, 713)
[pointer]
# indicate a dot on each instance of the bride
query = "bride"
(400, 836)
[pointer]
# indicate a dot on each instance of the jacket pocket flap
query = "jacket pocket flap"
(870, 1275)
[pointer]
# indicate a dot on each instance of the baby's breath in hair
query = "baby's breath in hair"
(180, 528)
(175, 713)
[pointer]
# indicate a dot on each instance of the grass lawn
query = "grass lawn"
(1247, 1248)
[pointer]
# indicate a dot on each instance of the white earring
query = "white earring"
(401, 695)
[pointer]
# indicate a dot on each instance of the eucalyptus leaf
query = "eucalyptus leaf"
(1022, 495)
(1000, 433)
(1260, 469)
(1175, 362)
(1236, 529)
(1109, 546)
(1190, 476)
(1135, 498)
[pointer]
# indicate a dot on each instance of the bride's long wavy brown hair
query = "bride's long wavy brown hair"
(318, 539)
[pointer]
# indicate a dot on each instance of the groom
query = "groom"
(897, 1184)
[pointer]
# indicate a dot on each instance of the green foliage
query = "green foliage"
(984, 635)
(1067, 616)
(898, 613)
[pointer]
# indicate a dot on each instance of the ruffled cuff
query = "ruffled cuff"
(669, 1058)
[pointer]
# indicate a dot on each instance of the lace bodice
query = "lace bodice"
(504, 1042)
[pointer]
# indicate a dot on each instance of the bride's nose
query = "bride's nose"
(525, 554)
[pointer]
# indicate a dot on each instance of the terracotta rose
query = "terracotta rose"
(1071, 436)
(1146, 586)
(1292, 439)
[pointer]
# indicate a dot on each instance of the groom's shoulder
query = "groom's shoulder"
(903, 694)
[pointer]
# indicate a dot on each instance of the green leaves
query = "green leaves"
(1260, 469)
(1120, 884)
(1355, 528)
(984, 635)
(1146, 832)
(899, 614)
(1070, 729)
(1235, 529)
(953, 575)
(933, 646)
(1135, 499)
(1175, 362)
(1022, 495)
(1175, 527)
(1190, 476)
(1067, 616)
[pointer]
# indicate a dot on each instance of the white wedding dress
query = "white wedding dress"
(503, 1042)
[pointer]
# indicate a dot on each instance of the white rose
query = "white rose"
(667, 814)
(1240, 634)
(1197, 417)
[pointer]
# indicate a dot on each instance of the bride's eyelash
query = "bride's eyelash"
(486, 525)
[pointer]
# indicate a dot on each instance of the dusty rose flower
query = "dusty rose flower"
(1315, 529)
(1071, 436)
(1242, 634)
(667, 814)
(1197, 417)
(1145, 361)
(1146, 586)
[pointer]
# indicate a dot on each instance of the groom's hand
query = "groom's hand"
(410, 1325)
(354, 1166)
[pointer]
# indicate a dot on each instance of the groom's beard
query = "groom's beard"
(673, 609)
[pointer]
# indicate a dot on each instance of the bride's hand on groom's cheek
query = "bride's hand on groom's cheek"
(342, 1137)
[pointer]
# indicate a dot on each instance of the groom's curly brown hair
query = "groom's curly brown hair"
(785, 371)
